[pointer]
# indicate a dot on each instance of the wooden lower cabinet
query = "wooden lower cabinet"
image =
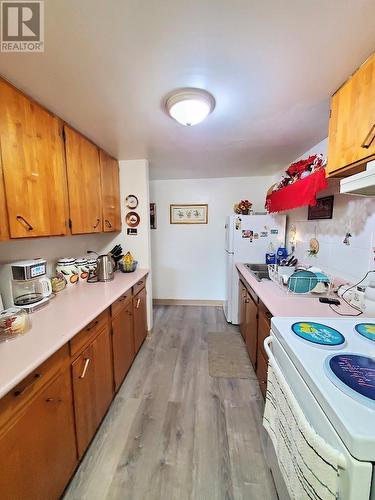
(242, 309)
(251, 321)
(38, 450)
(139, 318)
(92, 387)
(122, 342)
(262, 367)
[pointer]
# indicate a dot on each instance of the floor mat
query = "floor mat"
(227, 356)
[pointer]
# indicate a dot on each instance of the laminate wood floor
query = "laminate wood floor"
(173, 432)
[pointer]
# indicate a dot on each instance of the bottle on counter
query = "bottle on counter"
(271, 255)
(282, 255)
(369, 300)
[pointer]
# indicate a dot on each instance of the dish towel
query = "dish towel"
(310, 467)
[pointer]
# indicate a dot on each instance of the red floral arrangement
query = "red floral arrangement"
(243, 207)
(299, 170)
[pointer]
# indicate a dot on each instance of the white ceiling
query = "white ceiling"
(271, 65)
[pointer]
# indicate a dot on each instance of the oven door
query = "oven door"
(355, 480)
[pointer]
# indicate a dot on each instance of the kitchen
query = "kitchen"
(187, 297)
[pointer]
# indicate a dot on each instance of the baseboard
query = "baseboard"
(181, 302)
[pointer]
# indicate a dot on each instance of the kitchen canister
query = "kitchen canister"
(82, 267)
(66, 268)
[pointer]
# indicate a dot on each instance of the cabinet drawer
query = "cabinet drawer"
(89, 332)
(138, 286)
(117, 306)
(16, 399)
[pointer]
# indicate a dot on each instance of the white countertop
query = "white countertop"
(281, 304)
(54, 325)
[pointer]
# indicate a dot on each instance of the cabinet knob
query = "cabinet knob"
(27, 224)
(83, 374)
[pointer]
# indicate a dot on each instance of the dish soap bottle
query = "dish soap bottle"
(369, 300)
(271, 255)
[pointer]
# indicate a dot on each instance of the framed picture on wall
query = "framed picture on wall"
(322, 210)
(189, 214)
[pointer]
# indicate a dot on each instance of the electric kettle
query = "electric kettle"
(105, 267)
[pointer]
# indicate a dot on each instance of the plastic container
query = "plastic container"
(369, 300)
(271, 255)
(13, 322)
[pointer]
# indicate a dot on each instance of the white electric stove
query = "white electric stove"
(329, 364)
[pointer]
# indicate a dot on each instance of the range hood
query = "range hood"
(362, 184)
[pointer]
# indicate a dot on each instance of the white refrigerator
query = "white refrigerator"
(247, 240)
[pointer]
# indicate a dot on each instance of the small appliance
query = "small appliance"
(105, 268)
(25, 284)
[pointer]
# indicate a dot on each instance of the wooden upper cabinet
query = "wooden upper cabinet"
(351, 140)
(84, 183)
(110, 192)
(33, 167)
(4, 227)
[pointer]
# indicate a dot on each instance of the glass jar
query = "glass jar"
(13, 322)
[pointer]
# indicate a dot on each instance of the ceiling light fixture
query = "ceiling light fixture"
(189, 106)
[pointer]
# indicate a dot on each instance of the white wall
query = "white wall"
(352, 214)
(188, 261)
(134, 179)
(53, 247)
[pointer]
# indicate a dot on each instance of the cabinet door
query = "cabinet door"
(92, 387)
(38, 453)
(122, 343)
(4, 227)
(84, 183)
(352, 121)
(264, 327)
(242, 307)
(33, 167)
(251, 329)
(262, 367)
(110, 193)
(140, 319)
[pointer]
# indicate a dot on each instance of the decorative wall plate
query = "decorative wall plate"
(132, 219)
(131, 201)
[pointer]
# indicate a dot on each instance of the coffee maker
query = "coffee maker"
(25, 284)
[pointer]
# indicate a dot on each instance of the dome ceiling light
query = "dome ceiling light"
(189, 106)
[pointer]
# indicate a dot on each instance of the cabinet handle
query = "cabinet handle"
(107, 223)
(28, 386)
(83, 374)
(22, 219)
(140, 283)
(53, 400)
(138, 303)
(369, 138)
(97, 223)
(92, 326)
(247, 301)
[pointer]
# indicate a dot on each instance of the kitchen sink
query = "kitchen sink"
(259, 271)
